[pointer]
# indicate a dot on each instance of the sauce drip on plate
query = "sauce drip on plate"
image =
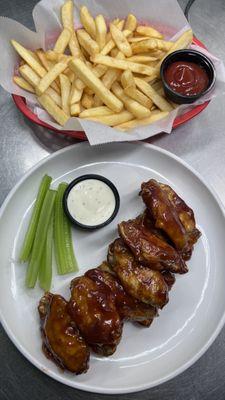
(186, 78)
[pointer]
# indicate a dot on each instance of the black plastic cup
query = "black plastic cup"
(190, 56)
(83, 178)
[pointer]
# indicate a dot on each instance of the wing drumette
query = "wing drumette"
(128, 307)
(62, 341)
(142, 283)
(171, 214)
(93, 309)
(149, 249)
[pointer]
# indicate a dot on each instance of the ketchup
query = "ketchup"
(186, 78)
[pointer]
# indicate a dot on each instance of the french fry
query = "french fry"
(57, 57)
(87, 101)
(62, 41)
(88, 91)
(79, 84)
(67, 15)
(117, 54)
(74, 46)
(149, 79)
(85, 40)
(120, 24)
(123, 64)
(115, 21)
(183, 42)
(69, 74)
(32, 53)
(97, 102)
(135, 94)
(108, 47)
(29, 58)
(101, 30)
(99, 70)
(94, 83)
(158, 54)
(29, 75)
(121, 41)
(75, 94)
(88, 22)
(111, 44)
(155, 116)
(51, 75)
(157, 85)
(96, 112)
(158, 100)
(131, 23)
(68, 22)
(108, 37)
(141, 59)
(47, 64)
(114, 119)
(54, 95)
(65, 85)
(149, 31)
(23, 84)
(51, 107)
(146, 45)
(108, 79)
(86, 55)
(114, 52)
(33, 79)
(131, 105)
(75, 109)
(52, 56)
(137, 39)
(127, 79)
(111, 75)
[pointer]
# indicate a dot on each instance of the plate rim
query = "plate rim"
(81, 386)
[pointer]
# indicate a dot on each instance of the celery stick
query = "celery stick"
(45, 271)
(40, 238)
(30, 234)
(64, 254)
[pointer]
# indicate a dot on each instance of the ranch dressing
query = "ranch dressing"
(91, 202)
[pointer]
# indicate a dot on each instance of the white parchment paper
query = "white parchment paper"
(164, 15)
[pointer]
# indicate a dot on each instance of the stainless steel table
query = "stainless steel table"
(201, 142)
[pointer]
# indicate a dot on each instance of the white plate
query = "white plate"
(187, 325)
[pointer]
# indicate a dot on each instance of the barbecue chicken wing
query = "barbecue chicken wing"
(150, 249)
(128, 307)
(142, 283)
(62, 341)
(171, 214)
(169, 278)
(93, 309)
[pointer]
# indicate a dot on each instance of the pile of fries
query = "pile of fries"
(105, 74)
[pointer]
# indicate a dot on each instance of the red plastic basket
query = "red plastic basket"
(22, 106)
